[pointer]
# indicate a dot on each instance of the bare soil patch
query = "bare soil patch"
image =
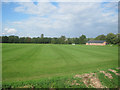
(118, 74)
(118, 68)
(107, 74)
(90, 80)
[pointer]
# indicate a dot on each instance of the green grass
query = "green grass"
(55, 82)
(21, 62)
(64, 82)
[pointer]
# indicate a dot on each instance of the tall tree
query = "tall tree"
(100, 37)
(11, 39)
(5, 39)
(42, 35)
(16, 39)
(62, 39)
(54, 40)
(110, 38)
(76, 40)
(0, 39)
(27, 40)
(82, 39)
(69, 41)
(22, 40)
(118, 36)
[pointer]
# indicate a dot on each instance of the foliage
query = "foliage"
(100, 37)
(44, 40)
(110, 38)
(82, 39)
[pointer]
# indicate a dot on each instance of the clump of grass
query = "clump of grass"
(109, 83)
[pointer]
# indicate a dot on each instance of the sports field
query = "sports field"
(35, 61)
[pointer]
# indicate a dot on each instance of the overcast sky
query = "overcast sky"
(54, 19)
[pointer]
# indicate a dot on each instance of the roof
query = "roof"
(96, 41)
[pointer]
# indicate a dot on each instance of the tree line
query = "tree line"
(110, 38)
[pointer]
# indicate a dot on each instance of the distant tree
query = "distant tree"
(41, 40)
(47, 40)
(73, 40)
(11, 39)
(27, 40)
(118, 36)
(69, 41)
(100, 37)
(111, 38)
(115, 39)
(62, 39)
(82, 39)
(76, 40)
(42, 35)
(38, 40)
(88, 39)
(5, 39)
(0, 39)
(16, 39)
(22, 40)
(53, 41)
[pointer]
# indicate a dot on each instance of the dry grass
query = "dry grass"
(107, 74)
(118, 74)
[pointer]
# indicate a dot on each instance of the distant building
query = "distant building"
(96, 42)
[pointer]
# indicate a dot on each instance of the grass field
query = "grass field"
(21, 62)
